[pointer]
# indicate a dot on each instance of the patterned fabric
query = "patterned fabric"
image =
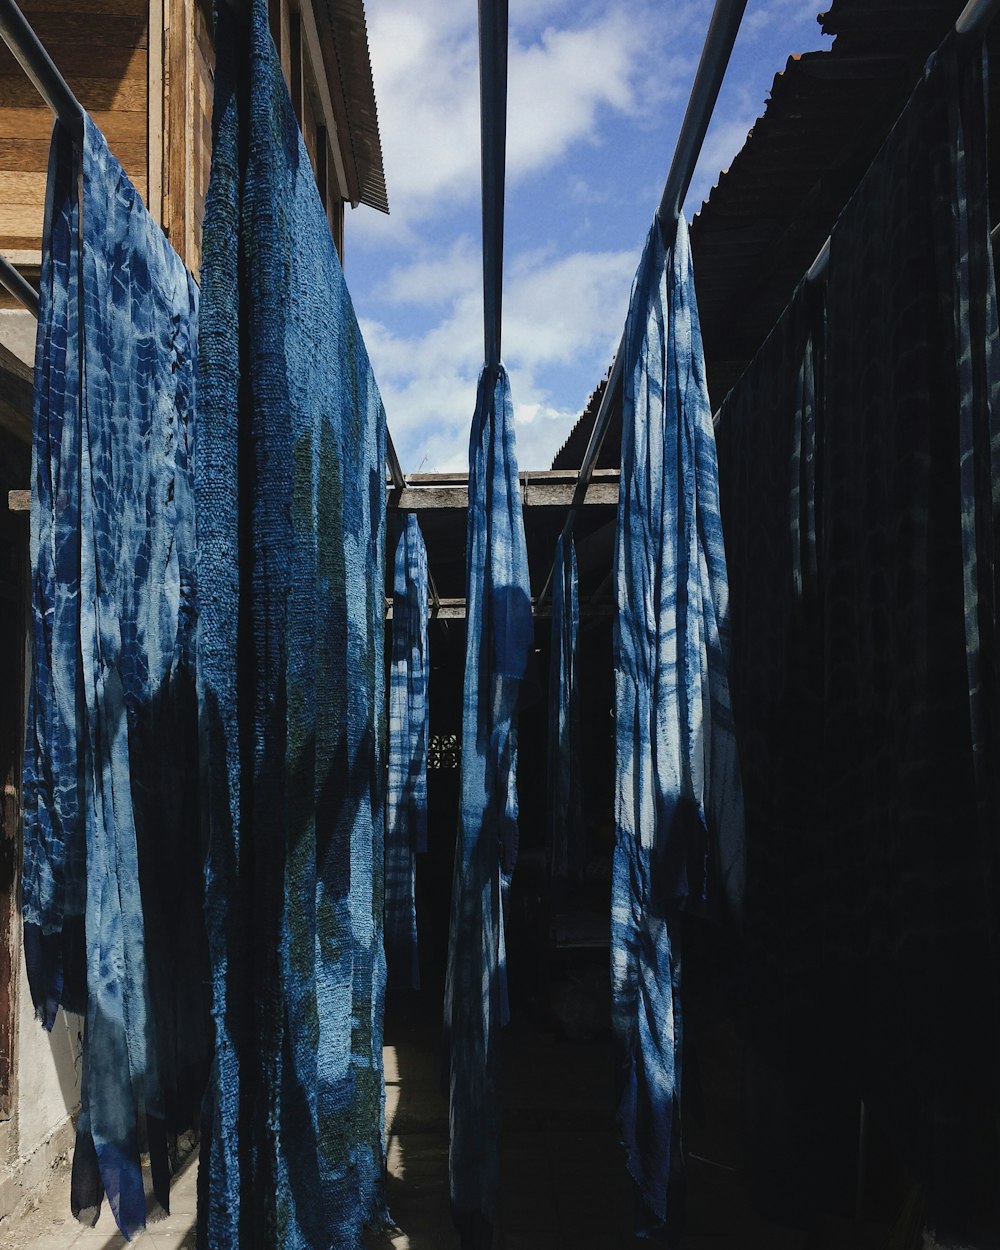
(886, 907)
(111, 845)
(678, 807)
(291, 507)
(498, 641)
(406, 796)
(566, 834)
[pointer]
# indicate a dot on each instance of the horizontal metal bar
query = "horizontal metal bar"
(19, 286)
(17, 34)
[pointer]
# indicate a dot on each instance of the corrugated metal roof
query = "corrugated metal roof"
(343, 36)
(772, 210)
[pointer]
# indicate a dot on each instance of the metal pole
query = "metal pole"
(975, 17)
(17, 34)
(493, 129)
(19, 286)
(716, 51)
(395, 468)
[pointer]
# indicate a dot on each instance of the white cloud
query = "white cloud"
(564, 312)
(561, 78)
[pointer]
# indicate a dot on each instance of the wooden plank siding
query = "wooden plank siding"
(101, 47)
(150, 92)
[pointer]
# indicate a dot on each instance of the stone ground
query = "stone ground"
(563, 1179)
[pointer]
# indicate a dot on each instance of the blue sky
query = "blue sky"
(595, 98)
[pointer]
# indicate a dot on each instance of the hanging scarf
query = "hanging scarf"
(291, 499)
(678, 810)
(498, 639)
(111, 883)
(406, 795)
(566, 834)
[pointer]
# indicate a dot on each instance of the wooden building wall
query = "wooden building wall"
(101, 47)
(144, 70)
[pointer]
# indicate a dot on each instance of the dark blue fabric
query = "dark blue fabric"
(874, 882)
(678, 805)
(567, 835)
(406, 795)
(110, 794)
(498, 641)
(291, 507)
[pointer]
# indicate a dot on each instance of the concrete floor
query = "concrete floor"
(563, 1186)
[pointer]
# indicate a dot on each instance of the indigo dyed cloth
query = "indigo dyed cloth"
(498, 641)
(865, 684)
(111, 877)
(909, 517)
(291, 537)
(767, 437)
(678, 805)
(406, 796)
(566, 835)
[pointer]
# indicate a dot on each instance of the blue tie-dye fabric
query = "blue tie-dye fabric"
(106, 775)
(406, 795)
(566, 844)
(678, 805)
(291, 536)
(498, 641)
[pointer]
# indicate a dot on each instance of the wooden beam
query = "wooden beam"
(454, 610)
(19, 501)
(552, 489)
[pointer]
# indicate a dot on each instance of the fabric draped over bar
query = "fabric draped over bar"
(678, 805)
(883, 858)
(111, 882)
(291, 506)
(567, 845)
(498, 642)
(406, 796)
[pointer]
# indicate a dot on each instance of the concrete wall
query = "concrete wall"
(36, 1142)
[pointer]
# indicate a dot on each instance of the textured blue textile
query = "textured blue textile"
(678, 806)
(109, 794)
(873, 888)
(498, 640)
(291, 508)
(566, 836)
(406, 794)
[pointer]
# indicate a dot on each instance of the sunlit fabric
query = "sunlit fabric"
(291, 507)
(111, 883)
(498, 641)
(406, 796)
(678, 806)
(566, 835)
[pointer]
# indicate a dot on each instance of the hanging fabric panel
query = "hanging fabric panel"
(498, 640)
(111, 881)
(406, 797)
(291, 498)
(909, 512)
(678, 817)
(767, 441)
(567, 834)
